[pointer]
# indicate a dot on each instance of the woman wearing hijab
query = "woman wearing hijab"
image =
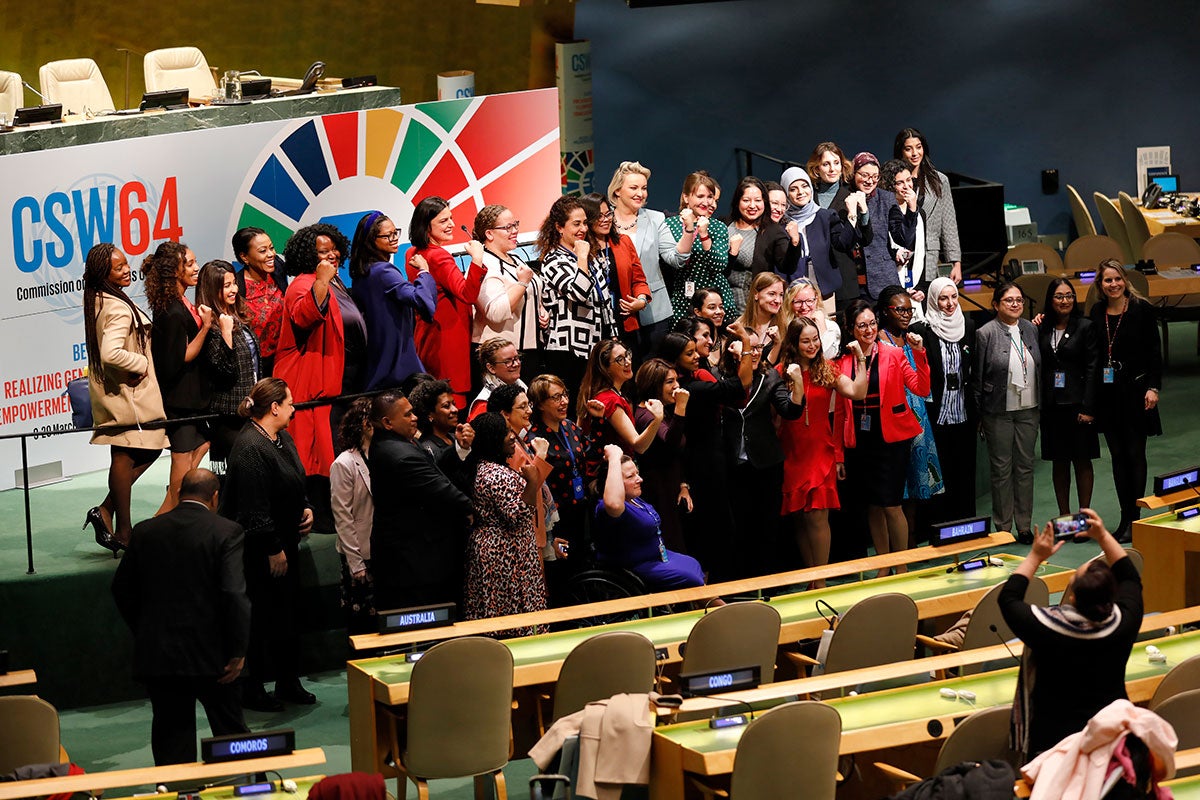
(875, 258)
(948, 335)
(814, 233)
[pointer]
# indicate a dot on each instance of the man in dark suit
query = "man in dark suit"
(181, 588)
(418, 535)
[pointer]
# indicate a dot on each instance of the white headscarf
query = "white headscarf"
(948, 327)
(800, 215)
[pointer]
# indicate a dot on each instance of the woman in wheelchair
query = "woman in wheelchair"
(628, 533)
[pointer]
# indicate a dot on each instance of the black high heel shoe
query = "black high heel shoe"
(103, 537)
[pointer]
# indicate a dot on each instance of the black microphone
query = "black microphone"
(996, 631)
(35, 91)
(723, 712)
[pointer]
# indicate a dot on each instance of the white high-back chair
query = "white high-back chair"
(77, 84)
(179, 68)
(12, 93)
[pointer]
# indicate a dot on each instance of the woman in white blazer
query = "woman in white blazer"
(353, 512)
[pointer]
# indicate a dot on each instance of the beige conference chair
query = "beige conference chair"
(179, 68)
(1183, 677)
(1114, 225)
(1028, 251)
(980, 737)
(1084, 223)
(606, 664)
(459, 717)
(1087, 252)
(1182, 711)
(790, 751)
(12, 94)
(732, 636)
(1171, 249)
(77, 84)
(985, 616)
(1135, 225)
(29, 733)
(878, 630)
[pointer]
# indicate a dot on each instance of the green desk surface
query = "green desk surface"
(1185, 788)
(303, 785)
(673, 628)
(915, 703)
(1168, 520)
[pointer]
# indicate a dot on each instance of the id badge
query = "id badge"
(577, 487)
(1060, 380)
(952, 382)
(864, 424)
(1109, 374)
(689, 288)
(662, 550)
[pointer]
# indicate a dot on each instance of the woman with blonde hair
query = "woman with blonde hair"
(764, 314)
(803, 299)
(628, 192)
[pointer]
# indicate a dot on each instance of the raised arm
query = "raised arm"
(614, 484)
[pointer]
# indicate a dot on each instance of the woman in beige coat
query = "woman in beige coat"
(123, 388)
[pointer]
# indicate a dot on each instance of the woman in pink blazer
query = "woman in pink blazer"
(353, 512)
(879, 429)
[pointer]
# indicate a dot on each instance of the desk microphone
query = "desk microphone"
(41, 96)
(722, 719)
(996, 631)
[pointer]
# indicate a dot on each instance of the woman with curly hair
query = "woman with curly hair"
(813, 441)
(444, 343)
(576, 296)
(123, 388)
(610, 367)
(262, 282)
(500, 362)
(312, 344)
(390, 303)
(232, 354)
(616, 257)
(353, 512)
(180, 331)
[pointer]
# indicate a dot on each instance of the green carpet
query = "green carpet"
(116, 736)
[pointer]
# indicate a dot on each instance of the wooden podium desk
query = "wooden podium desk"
(1171, 547)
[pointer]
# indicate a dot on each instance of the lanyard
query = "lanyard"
(566, 442)
(1112, 335)
(1019, 342)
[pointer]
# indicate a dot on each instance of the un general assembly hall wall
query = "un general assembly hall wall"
(1002, 90)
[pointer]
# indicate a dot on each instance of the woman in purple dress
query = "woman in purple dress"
(628, 531)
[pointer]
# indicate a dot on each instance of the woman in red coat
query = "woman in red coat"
(444, 344)
(617, 257)
(879, 429)
(312, 345)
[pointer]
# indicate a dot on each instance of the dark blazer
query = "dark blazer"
(182, 590)
(770, 248)
(824, 233)
(390, 304)
(1078, 357)
(753, 423)
(1137, 358)
(417, 539)
(989, 379)
(937, 373)
(845, 260)
(182, 383)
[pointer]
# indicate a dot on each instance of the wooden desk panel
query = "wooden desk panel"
(20, 677)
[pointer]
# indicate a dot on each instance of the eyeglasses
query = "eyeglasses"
(903, 311)
(1013, 301)
(1062, 298)
(866, 326)
(508, 362)
(756, 349)
(812, 301)
(394, 236)
(867, 177)
(511, 227)
(624, 359)
(607, 214)
(558, 397)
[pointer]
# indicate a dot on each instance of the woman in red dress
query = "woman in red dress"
(610, 367)
(812, 443)
(444, 344)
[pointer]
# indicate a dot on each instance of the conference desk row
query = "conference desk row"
(888, 720)
(1163, 289)
(379, 687)
(112, 127)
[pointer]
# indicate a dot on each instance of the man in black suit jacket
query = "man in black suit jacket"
(181, 588)
(418, 535)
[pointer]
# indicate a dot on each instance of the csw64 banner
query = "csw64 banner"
(200, 186)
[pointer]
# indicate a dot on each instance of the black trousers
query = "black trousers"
(173, 701)
(1128, 450)
(274, 623)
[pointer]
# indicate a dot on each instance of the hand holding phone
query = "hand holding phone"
(1069, 526)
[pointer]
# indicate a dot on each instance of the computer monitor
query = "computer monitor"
(31, 114)
(1032, 266)
(1169, 183)
(167, 98)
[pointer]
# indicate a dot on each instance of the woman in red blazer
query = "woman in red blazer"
(444, 344)
(879, 429)
(312, 344)
(616, 253)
